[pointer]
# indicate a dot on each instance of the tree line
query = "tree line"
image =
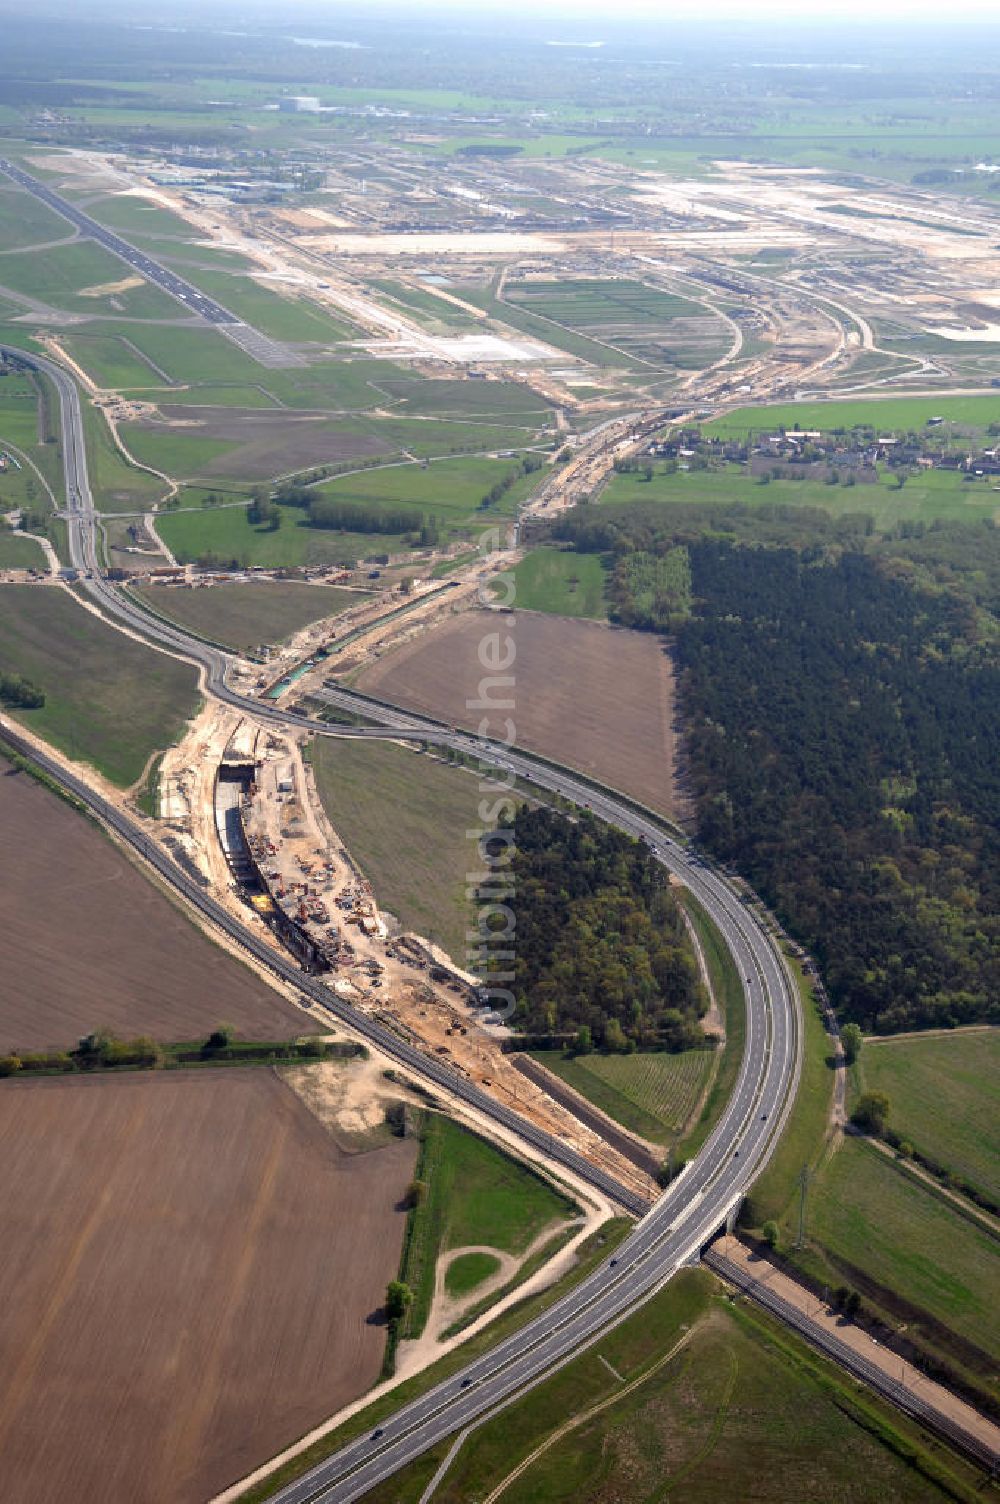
(528, 466)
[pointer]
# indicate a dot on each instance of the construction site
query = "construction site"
(268, 852)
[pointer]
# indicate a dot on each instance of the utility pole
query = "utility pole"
(800, 1241)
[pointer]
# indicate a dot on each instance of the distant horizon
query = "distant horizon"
(592, 16)
(589, 12)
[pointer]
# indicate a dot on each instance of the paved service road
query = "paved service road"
(878, 1367)
(176, 286)
(686, 1215)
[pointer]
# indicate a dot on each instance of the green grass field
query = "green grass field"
(20, 426)
(209, 398)
(805, 1132)
(117, 485)
(450, 490)
(866, 1213)
(426, 438)
(63, 276)
(19, 415)
(469, 1271)
(245, 616)
(832, 141)
(279, 315)
(193, 355)
(225, 532)
(112, 361)
(208, 362)
(520, 317)
(651, 1094)
(743, 1412)
(475, 1196)
(425, 307)
(18, 552)
(109, 700)
(179, 453)
(943, 1096)
(924, 497)
(565, 584)
(629, 316)
(492, 401)
(887, 415)
(589, 303)
(130, 214)
(404, 817)
(25, 221)
(354, 384)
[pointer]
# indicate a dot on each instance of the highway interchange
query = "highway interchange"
(683, 1219)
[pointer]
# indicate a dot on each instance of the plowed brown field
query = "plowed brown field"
(86, 942)
(598, 698)
(190, 1265)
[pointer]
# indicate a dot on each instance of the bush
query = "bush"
(872, 1113)
(851, 1039)
(219, 1039)
(16, 690)
(398, 1299)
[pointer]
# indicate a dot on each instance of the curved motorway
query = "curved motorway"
(685, 1216)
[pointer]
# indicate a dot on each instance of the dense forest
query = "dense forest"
(842, 704)
(601, 945)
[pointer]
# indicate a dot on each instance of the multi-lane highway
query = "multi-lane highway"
(671, 1232)
(677, 1225)
(169, 281)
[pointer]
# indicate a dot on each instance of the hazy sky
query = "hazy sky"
(598, 16)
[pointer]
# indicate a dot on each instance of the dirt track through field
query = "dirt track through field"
(197, 1266)
(87, 942)
(598, 698)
